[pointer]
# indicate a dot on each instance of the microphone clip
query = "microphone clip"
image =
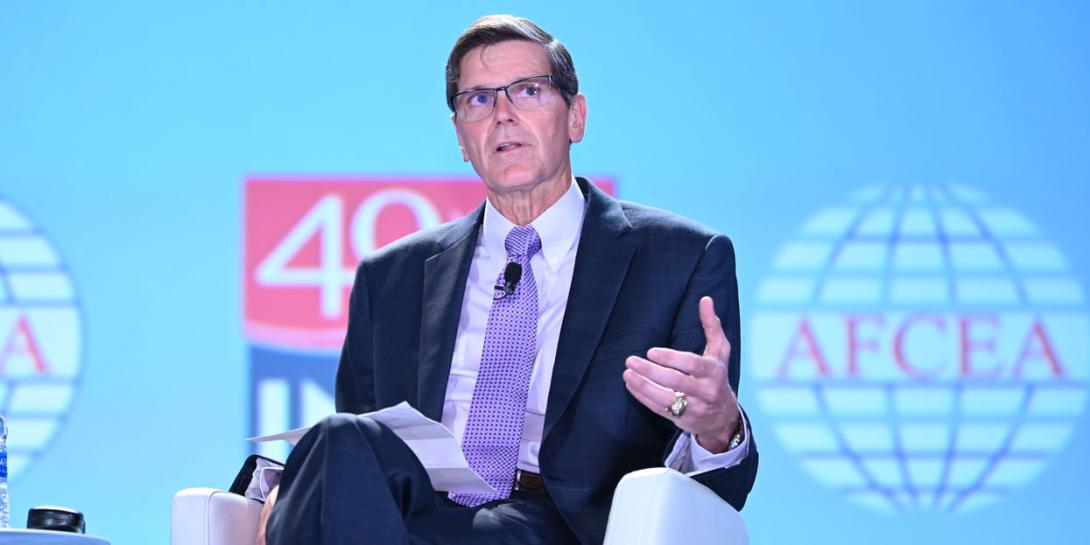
(511, 276)
(503, 290)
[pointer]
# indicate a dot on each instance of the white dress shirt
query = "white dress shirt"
(559, 228)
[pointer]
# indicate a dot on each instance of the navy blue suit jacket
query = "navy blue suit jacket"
(639, 274)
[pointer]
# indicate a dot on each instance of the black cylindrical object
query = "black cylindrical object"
(61, 519)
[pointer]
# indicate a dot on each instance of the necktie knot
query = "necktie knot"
(522, 242)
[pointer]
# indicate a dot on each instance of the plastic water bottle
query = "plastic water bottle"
(4, 510)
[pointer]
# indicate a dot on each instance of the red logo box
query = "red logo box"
(303, 237)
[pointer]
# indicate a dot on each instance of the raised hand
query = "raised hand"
(695, 386)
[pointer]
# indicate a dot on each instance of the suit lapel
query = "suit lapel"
(601, 263)
(445, 276)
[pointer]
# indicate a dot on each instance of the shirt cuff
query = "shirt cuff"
(266, 476)
(690, 458)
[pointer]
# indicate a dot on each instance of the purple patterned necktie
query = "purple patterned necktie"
(498, 406)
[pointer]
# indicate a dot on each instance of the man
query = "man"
(566, 338)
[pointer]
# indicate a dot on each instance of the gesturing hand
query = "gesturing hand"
(711, 413)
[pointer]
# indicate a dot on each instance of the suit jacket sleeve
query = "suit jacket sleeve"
(355, 388)
(714, 275)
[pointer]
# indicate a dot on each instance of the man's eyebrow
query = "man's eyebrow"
(477, 88)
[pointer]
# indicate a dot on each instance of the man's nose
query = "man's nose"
(504, 110)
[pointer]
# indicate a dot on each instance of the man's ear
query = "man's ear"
(458, 133)
(577, 118)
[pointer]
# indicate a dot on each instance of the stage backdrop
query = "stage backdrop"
(185, 187)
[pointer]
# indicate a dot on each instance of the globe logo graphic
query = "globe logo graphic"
(921, 348)
(40, 339)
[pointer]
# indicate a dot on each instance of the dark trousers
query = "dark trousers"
(350, 480)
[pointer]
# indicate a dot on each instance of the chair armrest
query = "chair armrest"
(660, 506)
(206, 516)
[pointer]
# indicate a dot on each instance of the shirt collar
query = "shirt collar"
(558, 226)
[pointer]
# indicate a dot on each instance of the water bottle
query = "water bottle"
(4, 510)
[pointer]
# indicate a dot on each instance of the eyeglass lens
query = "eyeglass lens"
(526, 94)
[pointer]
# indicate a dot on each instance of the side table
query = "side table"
(21, 536)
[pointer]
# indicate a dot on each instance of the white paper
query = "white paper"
(433, 445)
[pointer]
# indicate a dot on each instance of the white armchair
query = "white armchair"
(657, 506)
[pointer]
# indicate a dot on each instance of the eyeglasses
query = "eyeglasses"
(525, 94)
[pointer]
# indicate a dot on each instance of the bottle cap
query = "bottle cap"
(61, 519)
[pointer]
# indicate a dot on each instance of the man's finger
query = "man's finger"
(664, 376)
(685, 362)
(653, 404)
(716, 344)
(652, 395)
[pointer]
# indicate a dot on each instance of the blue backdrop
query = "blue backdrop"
(127, 129)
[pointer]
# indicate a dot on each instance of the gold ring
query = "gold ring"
(677, 408)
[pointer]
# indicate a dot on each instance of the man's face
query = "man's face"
(514, 149)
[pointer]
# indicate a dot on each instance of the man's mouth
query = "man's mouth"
(508, 146)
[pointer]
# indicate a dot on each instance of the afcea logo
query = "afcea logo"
(921, 348)
(41, 338)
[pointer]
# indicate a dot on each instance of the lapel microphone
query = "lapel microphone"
(511, 276)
